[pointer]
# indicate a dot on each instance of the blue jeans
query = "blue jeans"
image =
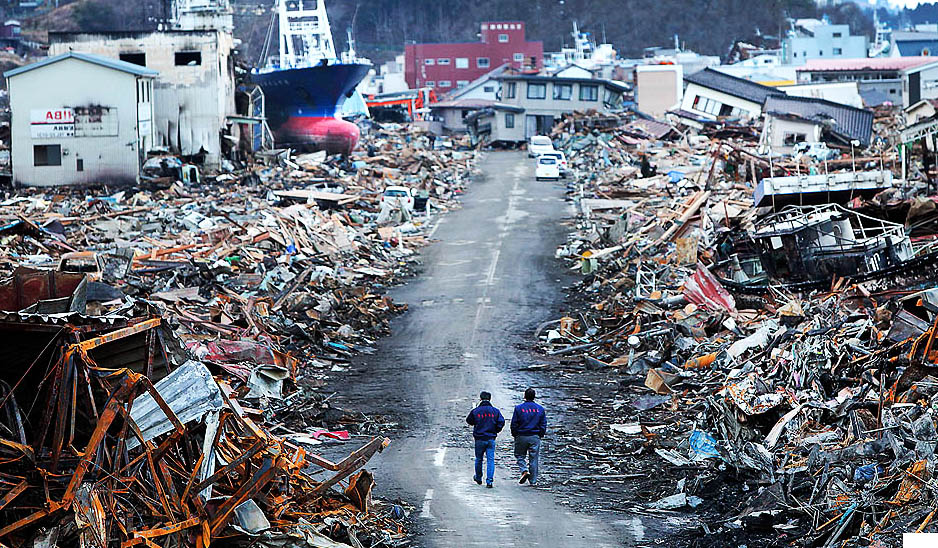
(528, 446)
(486, 448)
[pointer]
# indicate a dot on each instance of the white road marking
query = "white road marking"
(436, 226)
(491, 274)
(427, 499)
(440, 455)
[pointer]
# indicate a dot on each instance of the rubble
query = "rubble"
(167, 342)
(773, 363)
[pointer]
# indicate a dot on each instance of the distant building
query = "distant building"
(814, 39)
(913, 44)
(529, 105)
(389, 78)
(448, 66)
(711, 94)
(658, 88)
(95, 129)
(483, 88)
(905, 80)
(195, 90)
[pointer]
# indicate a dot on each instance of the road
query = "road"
(487, 283)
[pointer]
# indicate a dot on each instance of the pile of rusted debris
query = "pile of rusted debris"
(157, 337)
(768, 342)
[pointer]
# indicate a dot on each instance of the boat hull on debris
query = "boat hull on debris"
(302, 103)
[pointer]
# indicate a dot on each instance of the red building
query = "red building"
(448, 66)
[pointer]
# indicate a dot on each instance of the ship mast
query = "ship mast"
(305, 35)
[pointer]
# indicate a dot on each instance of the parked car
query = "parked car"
(539, 144)
(561, 159)
(548, 167)
(816, 151)
(398, 196)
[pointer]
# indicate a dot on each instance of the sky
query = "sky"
(910, 3)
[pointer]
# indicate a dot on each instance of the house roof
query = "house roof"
(731, 85)
(561, 80)
(459, 92)
(875, 98)
(475, 104)
(107, 62)
(848, 122)
(868, 64)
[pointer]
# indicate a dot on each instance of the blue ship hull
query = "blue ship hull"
(301, 106)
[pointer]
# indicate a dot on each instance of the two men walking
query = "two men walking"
(528, 426)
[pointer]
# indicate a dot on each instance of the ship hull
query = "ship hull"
(301, 106)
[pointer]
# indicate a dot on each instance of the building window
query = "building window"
(134, 58)
(188, 58)
(537, 91)
(503, 38)
(792, 139)
(431, 83)
(80, 164)
(511, 90)
(838, 51)
(462, 83)
(518, 57)
(821, 53)
(795, 54)
(892, 92)
(429, 61)
(563, 92)
(589, 93)
(509, 120)
(702, 104)
(483, 62)
(444, 84)
(838, 34)
(47, 155)
(489, 89)
(462, 62)
(442, 61)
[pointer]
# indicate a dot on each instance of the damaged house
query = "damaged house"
(791, 120)
(195, 91)
(96, 129)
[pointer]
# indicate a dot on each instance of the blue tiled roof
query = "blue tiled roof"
(90, 58)
(914, 48)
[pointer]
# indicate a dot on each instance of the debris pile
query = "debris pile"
(776, 360)
(166, 344)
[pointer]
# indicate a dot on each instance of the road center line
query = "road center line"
(427, 499)
(440, 455)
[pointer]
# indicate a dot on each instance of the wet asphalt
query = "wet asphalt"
(487, 282)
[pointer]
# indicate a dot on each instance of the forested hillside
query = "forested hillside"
(382, 27)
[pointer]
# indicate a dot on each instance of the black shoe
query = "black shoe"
(477, 480)
(524, 477)
(490, 486)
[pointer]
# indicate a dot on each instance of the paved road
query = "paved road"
(487, 283)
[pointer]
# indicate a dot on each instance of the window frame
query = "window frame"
(503, 38)
(509, 120)
(462, 62)
(442, 61)
(46, 162)
(559, 96)
(428, 62)
(594, 96)
(487, 64)
(511, 92)
(536, 85)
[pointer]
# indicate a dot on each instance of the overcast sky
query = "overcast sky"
(910, 3)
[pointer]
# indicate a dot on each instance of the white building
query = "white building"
(195, 90)
(658, 88)
(80, 119)
(813, 39)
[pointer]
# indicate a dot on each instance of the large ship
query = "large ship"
(306, 84)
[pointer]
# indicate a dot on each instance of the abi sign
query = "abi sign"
(51, 123)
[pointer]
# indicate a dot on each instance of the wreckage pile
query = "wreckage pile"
(157, 338)
(771, 351)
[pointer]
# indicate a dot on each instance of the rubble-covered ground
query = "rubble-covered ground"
(759, 376)
(166, 345)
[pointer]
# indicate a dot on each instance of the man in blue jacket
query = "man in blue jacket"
(486, 421)
(528, 426)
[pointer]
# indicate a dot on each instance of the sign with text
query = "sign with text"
(52, 123)
(96, 121)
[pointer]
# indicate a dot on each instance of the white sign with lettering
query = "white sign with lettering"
(53, 123)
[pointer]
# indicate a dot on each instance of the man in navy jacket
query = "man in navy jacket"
(486, 421)
(528, 426)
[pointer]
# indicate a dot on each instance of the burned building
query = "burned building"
(195, 91)
(95, 129)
